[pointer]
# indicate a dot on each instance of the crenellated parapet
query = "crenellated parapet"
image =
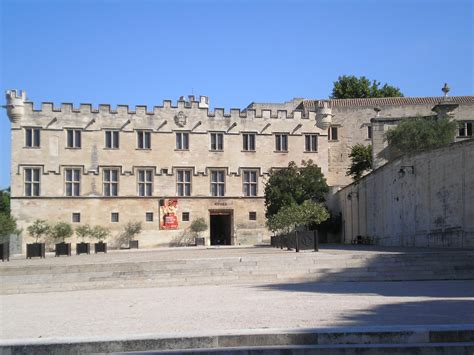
(19, 108)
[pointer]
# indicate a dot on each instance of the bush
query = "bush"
(100, 233)
(60, 231)
(83, 232)
(131, 230)
(198, 225)
(38, 229)
(7, 225)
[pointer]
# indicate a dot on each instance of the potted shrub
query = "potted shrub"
(83, 232)
(100, 233)
(197, 226)
(7, 227)
(37, 230)
(59, 232)
(131, 230)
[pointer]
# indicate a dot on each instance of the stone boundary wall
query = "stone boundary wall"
(419, 200)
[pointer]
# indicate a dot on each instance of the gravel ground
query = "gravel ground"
(189, 309)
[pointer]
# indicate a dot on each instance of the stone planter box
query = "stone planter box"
(35, 250)
(200, 241)
(133, 244)
(5, 251)
(100, 247)
(83, 248)
(63, 249)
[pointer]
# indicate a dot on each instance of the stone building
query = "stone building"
(172, 164)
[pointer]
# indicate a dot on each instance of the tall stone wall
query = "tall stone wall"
(422, 200)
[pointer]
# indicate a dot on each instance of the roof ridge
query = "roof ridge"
(371, 101)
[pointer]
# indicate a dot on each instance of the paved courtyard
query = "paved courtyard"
(208, 309)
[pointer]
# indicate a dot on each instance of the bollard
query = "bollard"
(316, 240)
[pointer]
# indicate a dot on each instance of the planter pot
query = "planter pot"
(63, 249)
(133, 244)
(5, 251)
(35, 250)
(100, 247)
(83, 248)
(199, 241)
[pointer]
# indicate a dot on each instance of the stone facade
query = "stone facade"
(148, 140)
(421, 200)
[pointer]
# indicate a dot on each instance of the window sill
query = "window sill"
(281, 151)
(111, 148)
(73, 148)
(216, 150)
(310, 151)
(146, 149)
(181, 150)
(25, 147)
(248, 151)
(333, 140)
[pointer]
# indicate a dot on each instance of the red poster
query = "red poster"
(168, 214)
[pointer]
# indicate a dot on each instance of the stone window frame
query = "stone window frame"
(76, 217)
(32, 137)
(247, 143)
(73, 138)
(182, 143)
(114, 217)
(182, 172)
(145, 180)
(249, 184)
(33, 181)
(218, 184)
(110, 183)
(309, 139)
(331, 130)
(114, 139)
(72, 181)
(185, 216)
(216, 141)
(143, 139)
(149, 217)
(281, 142)
(252, 216)
(468, 126)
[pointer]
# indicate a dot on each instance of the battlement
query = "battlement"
(180, 105)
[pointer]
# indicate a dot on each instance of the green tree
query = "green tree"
(38, 229)
(350, 87)
(83, 231)
(5, 201)
(294, 185)
(100, 233)
(198, 225)
(416, 134)
(60, 231)
(7, 225)
(361, 160)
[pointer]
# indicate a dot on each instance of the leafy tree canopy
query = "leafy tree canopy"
(294, 185)
(361, 160)
(38, 229)
(5, 201)
(350, 87)
(416, 134)
(61, 231)
(99, 232)
(198, 225)
(7, 225)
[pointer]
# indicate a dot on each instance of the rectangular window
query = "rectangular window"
(369, 132)
(253, 216)
(32, 137)
(332, 134)
(32, 181)
(72, 179)
(183, 182)
(217, 141)
(311, 142)
(281, 142)
(149, 216)
(185, 217)
(114, 217)
(250, 182)
(249, 142)
(217, 183)
(144, 139)
(73, 138)
(182, 141)
(76, 217)
(465, 129)
(145, 182)
(112, 139)
(110, 179)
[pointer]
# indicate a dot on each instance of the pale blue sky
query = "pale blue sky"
(236, 52)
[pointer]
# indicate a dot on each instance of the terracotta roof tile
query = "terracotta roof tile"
(388, 101)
